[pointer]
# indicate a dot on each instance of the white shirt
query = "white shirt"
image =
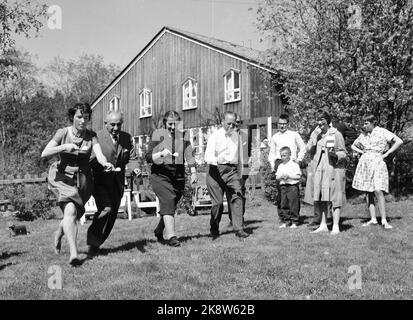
(222, 148)
(289, 139)
(290, 168)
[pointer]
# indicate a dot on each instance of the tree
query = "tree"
(19, 18)
(348, 59)
(82, 79)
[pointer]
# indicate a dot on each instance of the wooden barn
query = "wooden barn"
(195, 75)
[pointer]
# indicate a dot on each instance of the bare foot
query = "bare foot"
(57, 242)
(321, 229)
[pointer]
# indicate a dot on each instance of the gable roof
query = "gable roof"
(248, 55)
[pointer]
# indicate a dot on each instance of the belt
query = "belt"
(228, 164)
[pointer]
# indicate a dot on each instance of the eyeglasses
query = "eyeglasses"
(282, 123)
(231, 124)
(115, 124)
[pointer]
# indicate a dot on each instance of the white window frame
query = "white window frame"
(144, 104)
(114, 103)
(192, 84)
(229, 87)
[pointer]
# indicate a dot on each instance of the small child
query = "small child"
(289, 174)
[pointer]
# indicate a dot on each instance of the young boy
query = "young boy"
(289, 174)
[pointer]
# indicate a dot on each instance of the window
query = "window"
(114, 104)
(232, 86)
(189, 94)
(145, 102)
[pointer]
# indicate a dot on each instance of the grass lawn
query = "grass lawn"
(271, 264)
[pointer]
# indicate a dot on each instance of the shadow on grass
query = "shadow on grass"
(5, 265)
(6, 255)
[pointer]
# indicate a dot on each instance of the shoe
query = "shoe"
(75, 262)
(214, 235)
(242, 234)
(387, 226)
(293, 226)
(370, 222)
(282, 226)
(173, 242)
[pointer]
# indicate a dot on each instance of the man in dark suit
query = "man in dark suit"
(117, 147)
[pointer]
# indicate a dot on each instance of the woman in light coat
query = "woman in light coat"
(326, 173)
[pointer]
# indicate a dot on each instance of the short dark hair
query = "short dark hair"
(83, 107)
(322, 114)
(285, 149)
(370, 118)
(170, 114)
(284, 116)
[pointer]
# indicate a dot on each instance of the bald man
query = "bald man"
(108, 186)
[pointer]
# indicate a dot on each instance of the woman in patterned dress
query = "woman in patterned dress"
(70, 179)
(371, 173)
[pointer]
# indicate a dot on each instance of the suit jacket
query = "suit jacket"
(119, 157)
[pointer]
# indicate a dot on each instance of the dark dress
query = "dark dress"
(168, 173)
(70, 178)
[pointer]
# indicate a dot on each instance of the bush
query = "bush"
(32, 201)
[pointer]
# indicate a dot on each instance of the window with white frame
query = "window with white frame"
(189, 94)
(145, 102)
(232, 80)
(114, 104)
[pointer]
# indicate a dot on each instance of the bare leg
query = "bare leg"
(70, 230)
(169, 221)
(382, 207)
(336, 220)
(323, 224)
(58, 238)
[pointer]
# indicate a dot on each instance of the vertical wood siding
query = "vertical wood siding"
(166, 66)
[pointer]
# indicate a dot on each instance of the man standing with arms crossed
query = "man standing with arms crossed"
(223, 157)
(108, 186)
(284, 138)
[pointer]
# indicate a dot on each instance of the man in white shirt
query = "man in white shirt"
(223, 156)
(243, 166)
(284, 138)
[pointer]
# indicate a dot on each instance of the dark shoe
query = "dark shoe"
(242, 234)
(173, 242)
(214, 235)
(75, 262)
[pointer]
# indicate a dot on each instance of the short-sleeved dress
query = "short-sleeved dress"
(371, 172)
(70, 178)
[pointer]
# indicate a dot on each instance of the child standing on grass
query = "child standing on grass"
(289, 174)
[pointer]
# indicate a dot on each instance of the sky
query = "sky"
(119, 30)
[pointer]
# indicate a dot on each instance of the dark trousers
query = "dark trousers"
(220, 179)
(278, 188)
(107, 202)
(243, 190)
(290, 203)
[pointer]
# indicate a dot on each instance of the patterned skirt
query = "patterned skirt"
(371, 173)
